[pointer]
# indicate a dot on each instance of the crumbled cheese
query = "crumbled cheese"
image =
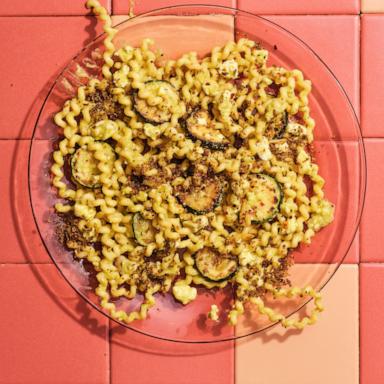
(120, 77)
(296, 129)
(246, 257)
(104, 129)
(263, 150)
(229, 69)
(152, 131)
(282, 146)
(184, 293)
(213, 314)
(202, 121)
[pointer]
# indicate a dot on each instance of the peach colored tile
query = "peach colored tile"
(372, 6)
(372, 75)
(372, 319)
(371, 228)
(341, 55)
(300, 6)
(48, 335)
(20, 242)
(45, 7)
(327, 352)
(121, 7)
(33, 60)
(143, 360)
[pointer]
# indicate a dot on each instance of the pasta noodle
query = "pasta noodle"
(192, 172)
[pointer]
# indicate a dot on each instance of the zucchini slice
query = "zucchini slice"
(84, 166)
(262, 200)
(200, 126)
(159, 113)
(277, 126)
(202, 199)
(213, 265)
(143, 230)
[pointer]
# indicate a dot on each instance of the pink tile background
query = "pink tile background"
(372, 75)
(46, 7)
(55, 338)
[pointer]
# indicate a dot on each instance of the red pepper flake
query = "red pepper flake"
(309, 184)
(273, 89)
(297, 118)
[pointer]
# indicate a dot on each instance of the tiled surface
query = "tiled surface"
(372, 319)
(151, 361)
(20, 242)
(45, 7)
(341, 55)
(258, 7)
(122, 7)
(372, 240)
(47, 334)
(300, 6)
(374, 6)
(372, 75)
(33, 61)
(51, 337)
(293, 357)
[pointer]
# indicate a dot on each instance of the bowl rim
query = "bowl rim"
(215, 11)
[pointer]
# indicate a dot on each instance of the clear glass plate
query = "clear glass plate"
(338, 146)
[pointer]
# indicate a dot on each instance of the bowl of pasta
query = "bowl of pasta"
(197, 174)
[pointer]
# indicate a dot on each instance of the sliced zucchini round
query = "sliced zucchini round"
(213, 265)
(202, 199)
(143, 230)
(262, 200)
(277, 126)
(84, 166)
(162, 112)
(200, 126)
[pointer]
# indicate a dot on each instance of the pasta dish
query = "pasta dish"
(175, 174)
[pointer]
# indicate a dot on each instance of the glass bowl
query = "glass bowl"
(338, 147)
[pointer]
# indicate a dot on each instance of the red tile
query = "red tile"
(371, 229)
(144, 360)
(372, 76)
(45, 7)
(121, 7)
(371, 323)
(33, 60)
(341, 55)
(49, 335)
(281, 7)
(20, 242)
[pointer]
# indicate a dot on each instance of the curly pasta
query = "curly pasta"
(150, 145)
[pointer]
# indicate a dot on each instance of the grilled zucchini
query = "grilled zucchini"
(159, 113)
(200, 126)
(213, 265)
(84, 166)
(203, 198)
(143, 230)
(262, 200)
